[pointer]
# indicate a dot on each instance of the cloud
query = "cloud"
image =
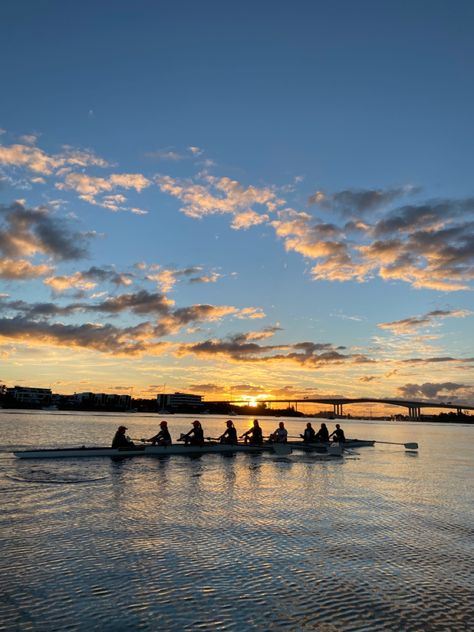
(129, 341)
(212, 195)
(62, 283)
(251, 312)
(242, 348)
(438, 360)
(318, 240)
(89, 187)
(38, 161)
(26, 232)
(429, 246)
(166, 278)
(424, 217)
(212, 277)
(88, 279)
(21, 269)
(267, 332)
(431, 391)
(208, 388)
(248, 218)
(185, 316)
(414, 323)
(139, 303)
(108, 274)
(168, 320)
(63, 166)
(357, 202)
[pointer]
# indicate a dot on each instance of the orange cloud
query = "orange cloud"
(22, 269)
(220, 196)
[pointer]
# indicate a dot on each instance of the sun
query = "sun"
(252, 402)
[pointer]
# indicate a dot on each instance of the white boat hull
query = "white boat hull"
(149, 450)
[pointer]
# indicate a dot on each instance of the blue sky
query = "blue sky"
(251, 198)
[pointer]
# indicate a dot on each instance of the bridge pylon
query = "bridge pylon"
(338, 410)
(414, 413)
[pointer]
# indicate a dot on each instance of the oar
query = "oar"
(408, 446)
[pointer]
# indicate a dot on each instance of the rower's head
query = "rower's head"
(338, 426)
(229, 423)
(323, 426)
(308, 425)
(281, 425)
(122, 429)
(196, 423)
(163, 423)
(255, 423)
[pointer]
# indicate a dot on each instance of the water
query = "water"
(381, 540)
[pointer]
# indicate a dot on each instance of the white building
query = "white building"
(103, 400)
(170, 401)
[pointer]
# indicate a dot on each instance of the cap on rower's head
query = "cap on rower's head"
(163, 423)
(196, 422)
(122, 428)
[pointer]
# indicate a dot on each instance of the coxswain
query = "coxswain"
(230, 435)
(280, 435)
(195, 436)
(322, 435)
(309, 434)
(163, 437)
(120, 440)
(254, 435)
(338, 434)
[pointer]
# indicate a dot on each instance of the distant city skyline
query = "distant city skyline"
(271, 201)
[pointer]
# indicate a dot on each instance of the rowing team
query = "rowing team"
(253, 436)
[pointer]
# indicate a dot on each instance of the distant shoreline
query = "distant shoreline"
(441, 419)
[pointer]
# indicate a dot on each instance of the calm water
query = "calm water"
(381, 540)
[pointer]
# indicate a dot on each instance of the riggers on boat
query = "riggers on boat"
(281, 449)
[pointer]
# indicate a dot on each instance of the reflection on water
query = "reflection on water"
(379, 540)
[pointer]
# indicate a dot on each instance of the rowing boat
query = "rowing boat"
(280, 449)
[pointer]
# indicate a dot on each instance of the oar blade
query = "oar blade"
(411, 446)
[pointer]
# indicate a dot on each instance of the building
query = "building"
(30, 396)
(179, 401)
(99, 401)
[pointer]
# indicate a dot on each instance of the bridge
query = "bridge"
(338, 403)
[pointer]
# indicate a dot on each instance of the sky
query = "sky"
(238, 199)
